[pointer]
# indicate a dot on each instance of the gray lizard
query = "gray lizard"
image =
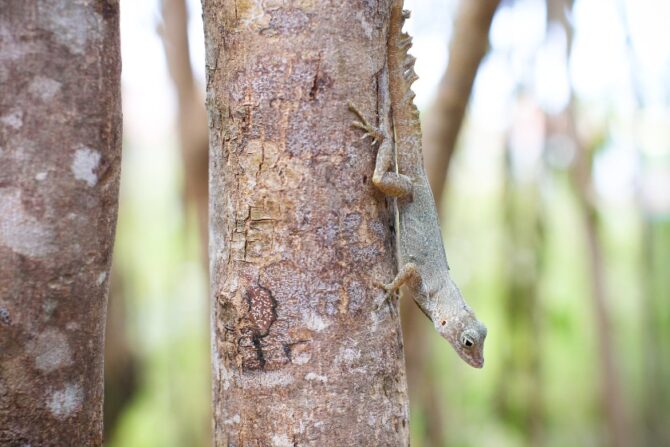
(423, 266)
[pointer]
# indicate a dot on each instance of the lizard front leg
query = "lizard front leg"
(388, 182)
(408, 274)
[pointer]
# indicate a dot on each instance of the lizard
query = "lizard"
(422, 261)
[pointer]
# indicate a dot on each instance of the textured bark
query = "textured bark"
(191, 113)
(467, 49)
(305, 351)
(60, 129)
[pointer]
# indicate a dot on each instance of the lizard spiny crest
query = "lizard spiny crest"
(400, 61)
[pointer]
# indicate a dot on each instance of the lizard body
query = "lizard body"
(423, 266)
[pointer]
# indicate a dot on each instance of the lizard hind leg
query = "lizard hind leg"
(408, 274)
(390, 183)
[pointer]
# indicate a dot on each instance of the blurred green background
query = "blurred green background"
(572, 279)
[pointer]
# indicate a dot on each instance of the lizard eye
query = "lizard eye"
(467, 341)
(443, 322)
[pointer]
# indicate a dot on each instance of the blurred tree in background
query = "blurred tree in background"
(556, 216)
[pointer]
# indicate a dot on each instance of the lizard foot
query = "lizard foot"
(390, 295)
(363, 124)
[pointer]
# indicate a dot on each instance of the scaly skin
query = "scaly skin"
(423, 266)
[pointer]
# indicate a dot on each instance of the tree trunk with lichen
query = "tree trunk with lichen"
(60, 136)
(305, 350)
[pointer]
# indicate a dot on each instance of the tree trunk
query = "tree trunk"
(618, 429)
(519, 392)
(192, 130)
(305, 349)
(60, 141)
(654, 278)
(467, 49)
(122, 363)
(656, 331)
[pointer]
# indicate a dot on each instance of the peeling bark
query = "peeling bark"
(60, 129)
(305, 350)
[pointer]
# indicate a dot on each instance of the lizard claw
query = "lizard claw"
(383, 286)
(388, 296)
(364, 125)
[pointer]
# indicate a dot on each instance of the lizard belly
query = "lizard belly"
(420, 238)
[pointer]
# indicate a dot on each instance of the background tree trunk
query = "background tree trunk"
(618, 430)
(60, 129)
(469, 44)
(305, 351)
(519, 396)
(191, 113)
(192, 129)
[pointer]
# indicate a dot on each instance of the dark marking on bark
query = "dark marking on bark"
(321, 81)
(262, 309)
(261, 314)
(287, 351)
(4, 316)
(378, 95)
(107, 8)
(256, 339)
(288, 348)
(315, 83)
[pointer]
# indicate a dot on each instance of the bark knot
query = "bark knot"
(261, 314)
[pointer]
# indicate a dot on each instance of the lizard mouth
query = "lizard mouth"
(479, 363)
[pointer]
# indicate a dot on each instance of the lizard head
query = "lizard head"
(465, 333)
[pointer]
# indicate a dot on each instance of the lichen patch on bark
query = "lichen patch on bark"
(19, 230)
(84, 165)
(51, 350)
(63, 402)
